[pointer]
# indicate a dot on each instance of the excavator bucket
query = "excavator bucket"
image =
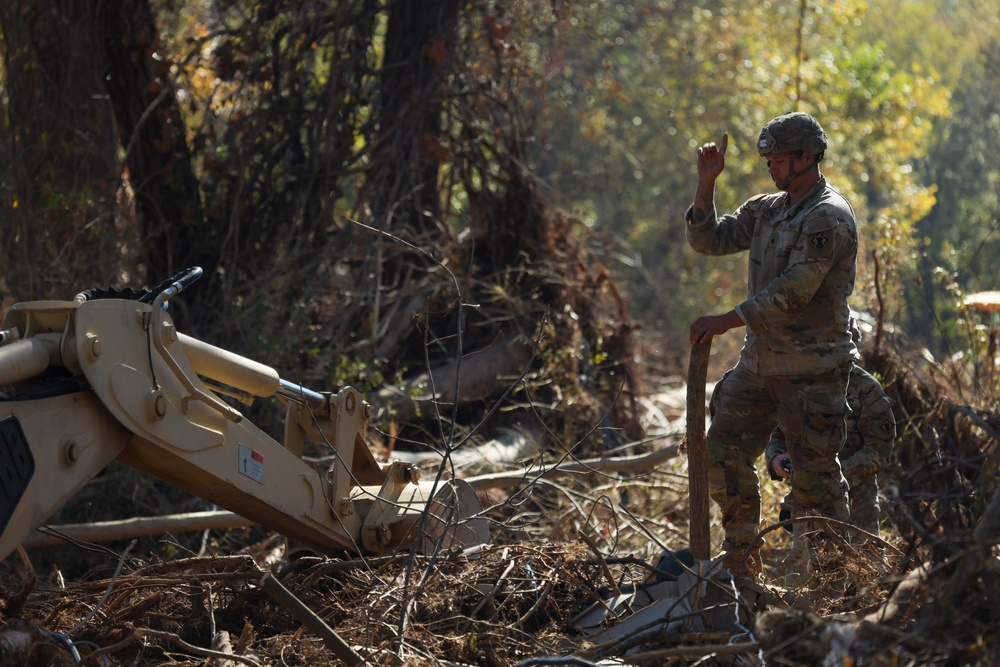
(429, 516)
(684, 595)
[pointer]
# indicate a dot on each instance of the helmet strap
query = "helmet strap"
(784, 183)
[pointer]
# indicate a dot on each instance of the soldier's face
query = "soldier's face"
(780, 165)
(784, 168)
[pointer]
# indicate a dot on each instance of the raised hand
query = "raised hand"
(712, 159)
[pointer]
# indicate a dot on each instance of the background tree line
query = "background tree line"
(376, 186)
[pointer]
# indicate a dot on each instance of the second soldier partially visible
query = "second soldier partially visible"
(871, 429)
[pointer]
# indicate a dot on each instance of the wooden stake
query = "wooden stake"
(696, 451)
(306, 617)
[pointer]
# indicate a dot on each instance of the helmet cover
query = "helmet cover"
(793, 131)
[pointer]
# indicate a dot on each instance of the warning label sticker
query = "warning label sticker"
(251, 463)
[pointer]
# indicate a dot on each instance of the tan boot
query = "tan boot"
(816, 557)
(796, 563)
(742, 561)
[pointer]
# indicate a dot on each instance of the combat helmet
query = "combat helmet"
(792, 131)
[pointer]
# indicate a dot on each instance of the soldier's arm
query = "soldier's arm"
(706, 233)
(704, 201)
(725, 234)
(775, 452)
(711, 163)
(876, 432)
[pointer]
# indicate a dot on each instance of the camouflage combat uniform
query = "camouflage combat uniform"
(871, 429)
(796, 356)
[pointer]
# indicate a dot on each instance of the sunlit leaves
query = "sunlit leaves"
(691, 71)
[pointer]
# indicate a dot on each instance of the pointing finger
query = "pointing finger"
(725, 143)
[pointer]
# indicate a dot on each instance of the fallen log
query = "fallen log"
(123, 529)
(476, 377)
(506, 447)
(604, 464)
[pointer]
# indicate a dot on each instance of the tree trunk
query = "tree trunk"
(61, 170)
(152, 134)
(407, 147)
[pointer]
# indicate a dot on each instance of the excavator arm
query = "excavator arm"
(89, 381)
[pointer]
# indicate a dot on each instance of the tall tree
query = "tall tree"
(408, 121)
(152, 134)
(61, 171)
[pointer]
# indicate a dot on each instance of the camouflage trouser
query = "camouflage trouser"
(865, 509)
(864, 505)
(810, 410)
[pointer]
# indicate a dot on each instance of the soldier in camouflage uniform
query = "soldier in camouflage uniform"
(871, 429)
(793, 369)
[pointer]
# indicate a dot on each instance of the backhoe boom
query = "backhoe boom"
(88, 381)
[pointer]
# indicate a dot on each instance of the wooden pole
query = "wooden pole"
(696, 451)
(306, 617)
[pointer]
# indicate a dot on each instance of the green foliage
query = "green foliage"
(961, 232)
(605, 101)
(650, 81)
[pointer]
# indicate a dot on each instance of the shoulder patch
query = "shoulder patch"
(819, 234)
(819, 241)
